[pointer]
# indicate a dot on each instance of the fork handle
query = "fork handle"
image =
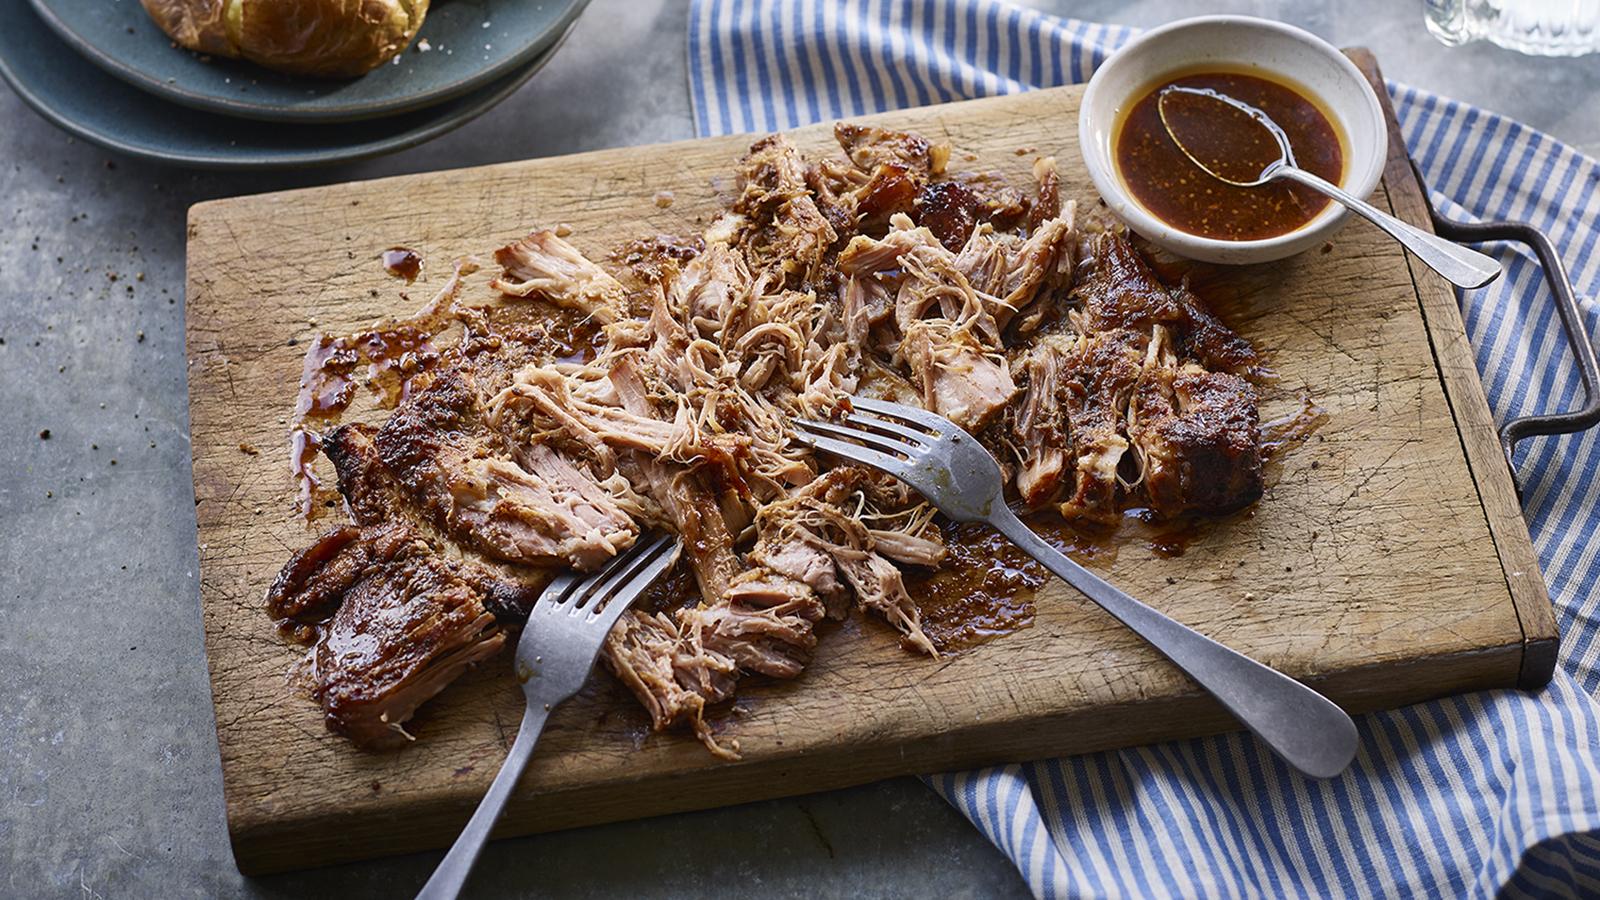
(1301, 725)
(457, 864)
(1463, 267)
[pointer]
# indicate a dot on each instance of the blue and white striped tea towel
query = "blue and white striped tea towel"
(1478, 795)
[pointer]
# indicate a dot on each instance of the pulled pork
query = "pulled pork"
(875, 270)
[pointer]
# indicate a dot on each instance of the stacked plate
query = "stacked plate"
(103, 71)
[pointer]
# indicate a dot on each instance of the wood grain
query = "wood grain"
(1388, 564)
(1458, 375)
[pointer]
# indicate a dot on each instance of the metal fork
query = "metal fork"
(949, 467)
(565, 630)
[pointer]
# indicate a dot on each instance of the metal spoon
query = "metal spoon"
(1461, 266)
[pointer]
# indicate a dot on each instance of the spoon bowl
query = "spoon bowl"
(1165, 107)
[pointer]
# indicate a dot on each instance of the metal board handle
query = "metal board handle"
(1555, 275)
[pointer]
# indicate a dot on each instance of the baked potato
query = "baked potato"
(320, 38)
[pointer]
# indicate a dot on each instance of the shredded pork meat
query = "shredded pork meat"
(875, 269)
(544, 265)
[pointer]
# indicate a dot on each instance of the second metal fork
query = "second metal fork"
(565, 630)
(950, 468)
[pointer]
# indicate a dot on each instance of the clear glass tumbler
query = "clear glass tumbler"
(1538, 27)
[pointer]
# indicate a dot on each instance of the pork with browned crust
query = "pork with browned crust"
(396, 623)
(515, 454)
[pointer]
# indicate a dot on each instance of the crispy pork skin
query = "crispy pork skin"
(950, 211)
(399, 609)
(312, 583)
(1121, 291)
(1211, 343)
(893, 169)
(1000, 203)
(1047, 203)
(371, 493)
(891, 190)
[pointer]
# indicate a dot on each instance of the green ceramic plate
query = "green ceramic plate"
(471, 44)
(87, 102)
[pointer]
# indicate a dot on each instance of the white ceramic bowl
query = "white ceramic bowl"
(1240, 43)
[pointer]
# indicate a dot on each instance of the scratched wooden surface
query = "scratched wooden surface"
(1387, 564)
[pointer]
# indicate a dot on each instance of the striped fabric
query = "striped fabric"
(1478, 795)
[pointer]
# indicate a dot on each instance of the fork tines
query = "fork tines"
(900, 412)
(886, 435)
(624, 576)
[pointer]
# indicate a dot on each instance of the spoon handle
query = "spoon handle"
(1461, 266)
(1307, 729)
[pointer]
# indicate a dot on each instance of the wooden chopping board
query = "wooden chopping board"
(1389, 563)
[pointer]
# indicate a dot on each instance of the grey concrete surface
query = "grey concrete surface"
(109, 778)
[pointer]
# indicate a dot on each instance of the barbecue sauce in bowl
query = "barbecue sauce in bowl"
(1175, 190)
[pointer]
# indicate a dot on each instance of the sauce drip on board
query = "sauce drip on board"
(1287, 433)
(1280, 435)
(1175, 190)
(393, 354)
(984, 589)
(402, 262)
(986, 586)
(398, 354)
